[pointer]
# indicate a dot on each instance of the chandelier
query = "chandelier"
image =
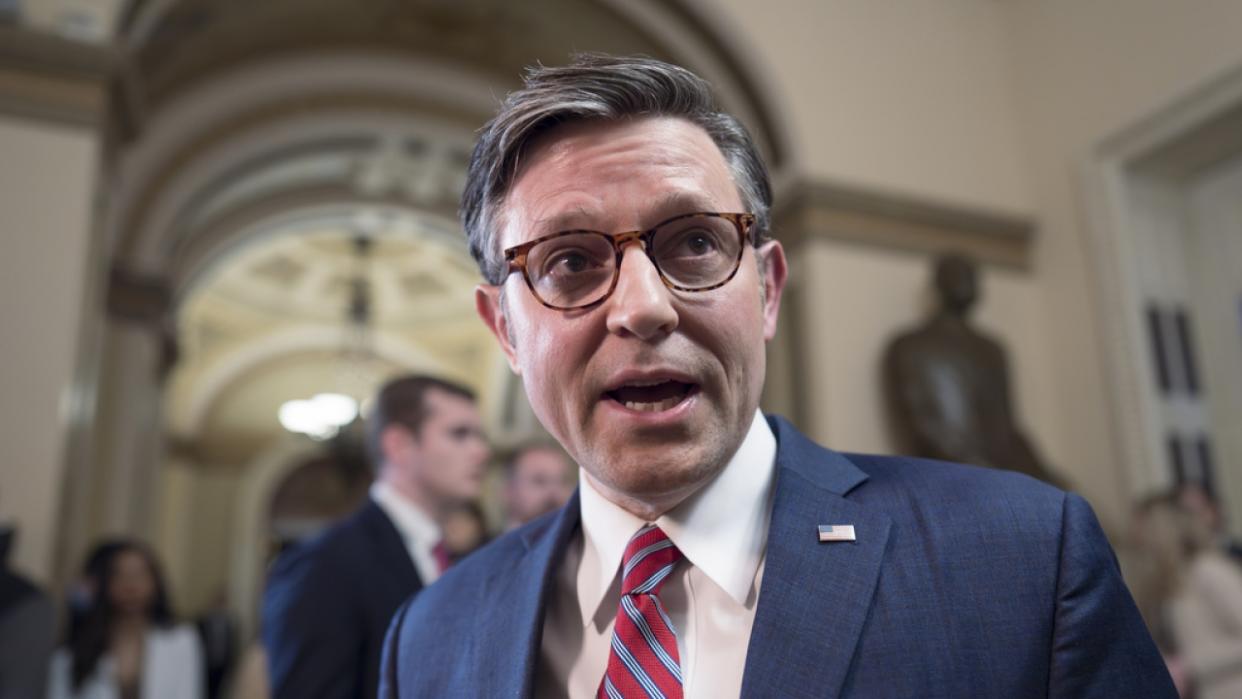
(323, 416)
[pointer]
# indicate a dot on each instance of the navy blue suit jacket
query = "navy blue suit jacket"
(963, 582)
(328, 603)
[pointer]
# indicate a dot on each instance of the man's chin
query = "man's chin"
(659, 478)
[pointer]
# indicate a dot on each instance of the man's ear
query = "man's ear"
(395, 442)
(775, 274)
(487, 303)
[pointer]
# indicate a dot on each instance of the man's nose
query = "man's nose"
(640, 305)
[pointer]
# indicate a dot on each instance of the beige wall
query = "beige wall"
(215, 503)
(46, 186)
(1087, 71)
(915, 97)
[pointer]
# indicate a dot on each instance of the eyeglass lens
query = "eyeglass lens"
(695, 252)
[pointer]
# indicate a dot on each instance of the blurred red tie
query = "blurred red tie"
(441, 554)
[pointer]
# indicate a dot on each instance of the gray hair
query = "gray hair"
(597, 87)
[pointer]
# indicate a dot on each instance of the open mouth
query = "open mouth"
(651, 396)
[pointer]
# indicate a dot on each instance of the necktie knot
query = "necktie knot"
(648, 560)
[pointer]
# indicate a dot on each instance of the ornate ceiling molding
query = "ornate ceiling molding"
(814, 208)
(260, 134)
(205, 244)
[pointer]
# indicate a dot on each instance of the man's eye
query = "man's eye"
(571, 262)
(700, 244)
(568, 262)
(693, 243)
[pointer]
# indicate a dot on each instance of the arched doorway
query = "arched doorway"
(247, 147)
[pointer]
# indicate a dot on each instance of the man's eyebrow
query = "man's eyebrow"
(682, 202)
(676, 203)
(566, 220)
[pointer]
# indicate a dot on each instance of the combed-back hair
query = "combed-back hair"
(597, 87)
(403, 401)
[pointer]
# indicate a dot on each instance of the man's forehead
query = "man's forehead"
(584, 214)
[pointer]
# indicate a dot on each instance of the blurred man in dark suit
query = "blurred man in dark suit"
(26, 628)
(328, 601)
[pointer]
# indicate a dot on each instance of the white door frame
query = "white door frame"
(1108, 176)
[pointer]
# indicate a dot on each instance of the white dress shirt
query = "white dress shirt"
(710, 597)
(419, 531)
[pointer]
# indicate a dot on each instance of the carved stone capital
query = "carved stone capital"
(138, 297)
(51, 78)
(145, 300)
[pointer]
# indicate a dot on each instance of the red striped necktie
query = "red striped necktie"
(644, 661)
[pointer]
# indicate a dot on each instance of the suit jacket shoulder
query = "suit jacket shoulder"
(327, 605)
(477, 630)
(27, 623)
(955, 507)
(964, 581)
(358, 538)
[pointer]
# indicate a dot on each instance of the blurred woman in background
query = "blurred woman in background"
(127, 646)
(465, 530)
(1190, 593)
(1154, 570)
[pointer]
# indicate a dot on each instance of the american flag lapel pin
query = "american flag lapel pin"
(836, 532)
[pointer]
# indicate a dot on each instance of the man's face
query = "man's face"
(652, 390)
(448, 454)
(540, 482)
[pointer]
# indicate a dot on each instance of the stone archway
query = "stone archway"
(318, 165)
(263, 476)
(220, 126)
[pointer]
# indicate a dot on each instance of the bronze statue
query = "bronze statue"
(947, 385)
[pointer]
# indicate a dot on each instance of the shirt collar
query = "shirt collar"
(414, 526)
(722, 529)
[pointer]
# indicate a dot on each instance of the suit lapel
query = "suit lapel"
(513, 629)
(393, 554)
(815, 596)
